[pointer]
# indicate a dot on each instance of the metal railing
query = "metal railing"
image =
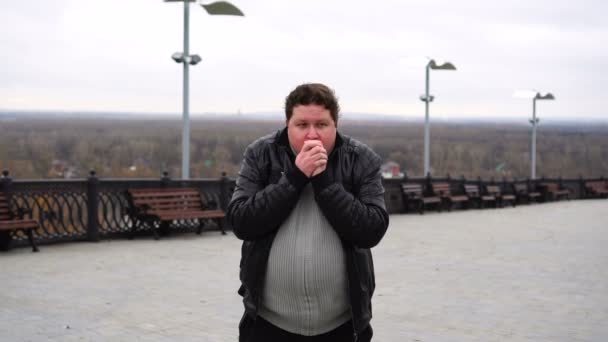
(394, 195)
(92, 209)
(95, 208)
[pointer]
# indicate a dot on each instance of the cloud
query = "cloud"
(115, 55)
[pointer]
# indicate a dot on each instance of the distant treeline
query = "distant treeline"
(39, 148)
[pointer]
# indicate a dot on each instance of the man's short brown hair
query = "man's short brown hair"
(312, 93)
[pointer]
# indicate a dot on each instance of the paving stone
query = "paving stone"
(530, 273)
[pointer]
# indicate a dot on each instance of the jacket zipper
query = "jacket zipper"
(352, 315)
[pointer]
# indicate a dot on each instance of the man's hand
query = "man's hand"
(312, 159)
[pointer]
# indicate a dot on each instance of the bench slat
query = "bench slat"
(164, 192)
(174, 206)
(159, 201)
(154, 196)
(151, 196)
(18, 224)
(173, 215)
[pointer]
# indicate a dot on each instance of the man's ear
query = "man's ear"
(286, 122)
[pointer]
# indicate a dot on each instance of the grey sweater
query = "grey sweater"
(306, 290)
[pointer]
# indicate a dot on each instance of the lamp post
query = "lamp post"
(534, 121)
(214, 8)
(427, 99)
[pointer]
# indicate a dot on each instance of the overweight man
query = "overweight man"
(309, 206)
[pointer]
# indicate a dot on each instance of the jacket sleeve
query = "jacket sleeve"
(359, 218)
(258, 207)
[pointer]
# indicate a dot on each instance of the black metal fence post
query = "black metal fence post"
(427, 185)
(461, 184)
(165, 180)
(5, 184)
(93, 207)
(5, 187)
(223, 192)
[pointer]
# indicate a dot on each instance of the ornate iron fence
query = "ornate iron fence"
(394, 196)
(92, 209)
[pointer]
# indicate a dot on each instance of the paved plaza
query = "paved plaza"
(531, 273)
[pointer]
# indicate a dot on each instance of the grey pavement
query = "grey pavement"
(531, 273)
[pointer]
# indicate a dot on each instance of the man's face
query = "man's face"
(311, 122)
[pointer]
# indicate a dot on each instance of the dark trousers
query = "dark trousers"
(265, 331)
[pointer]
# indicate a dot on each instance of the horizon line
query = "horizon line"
(266, 115)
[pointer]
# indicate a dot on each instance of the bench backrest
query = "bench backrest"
(471, 190)
(442, 189)
(182, 199)
(412, 189)
(596, 185)
(493, 189)
(5, 211)
(520, 188)
(551, 187)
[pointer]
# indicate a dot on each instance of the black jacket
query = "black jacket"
(349, 193)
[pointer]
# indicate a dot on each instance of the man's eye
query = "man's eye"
(301, 125)
(322, 125)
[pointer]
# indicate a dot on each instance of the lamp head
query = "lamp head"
(544, 96)
(441, 65)
(423, 98)
(178, 57)
(194, 59)
(222, 8)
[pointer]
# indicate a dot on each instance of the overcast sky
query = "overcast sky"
(114, 55)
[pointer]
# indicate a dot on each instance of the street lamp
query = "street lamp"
(427, 99)
(214, 8)
(534, 121)
(534, 95)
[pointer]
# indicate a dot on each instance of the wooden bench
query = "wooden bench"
(475, 196)
(596, 189)
(523, 195)
(160, 207)
(11, 223)
(501, 199)
(414, 194)
(553, 192)
(442, 189)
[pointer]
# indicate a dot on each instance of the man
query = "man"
(309, 205)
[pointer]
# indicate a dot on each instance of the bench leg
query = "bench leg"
(199, 229)
(163, 229)
(5, 240)
(219, 224)
(133, 229)
(30, 236)
(156, 234)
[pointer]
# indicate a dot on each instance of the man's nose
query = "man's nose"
(312, 133)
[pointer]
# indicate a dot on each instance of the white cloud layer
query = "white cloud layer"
(115, 55)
